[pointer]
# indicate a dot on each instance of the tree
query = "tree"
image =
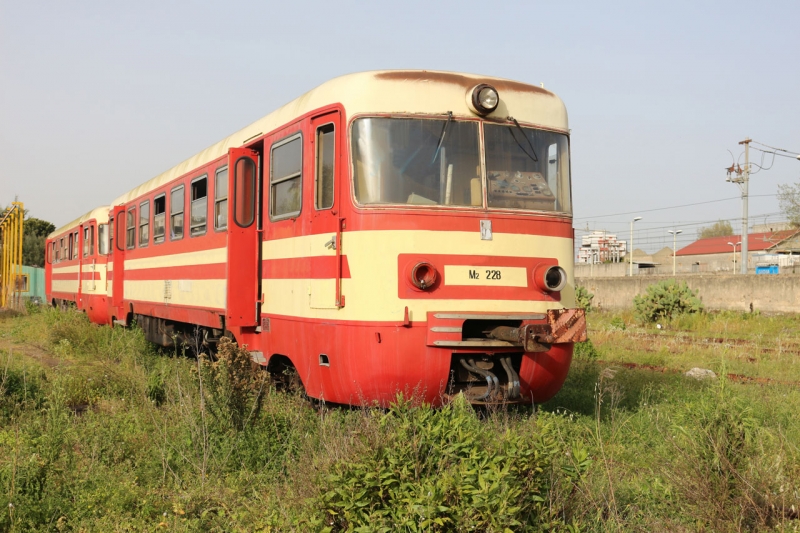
(721, 228)
(34, 237)
(789, 200)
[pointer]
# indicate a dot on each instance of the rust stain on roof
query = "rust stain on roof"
(460, 80)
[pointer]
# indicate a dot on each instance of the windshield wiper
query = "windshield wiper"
(441, 136)
(512, 119)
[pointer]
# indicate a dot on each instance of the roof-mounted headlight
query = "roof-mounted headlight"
(484, 99)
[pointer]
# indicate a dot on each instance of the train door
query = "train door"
(118, 259)
(326, 142)
(50, 250)
(244, 244)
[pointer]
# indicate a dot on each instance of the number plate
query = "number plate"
(480, 276)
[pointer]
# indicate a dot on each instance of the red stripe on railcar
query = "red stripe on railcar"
(315, 267)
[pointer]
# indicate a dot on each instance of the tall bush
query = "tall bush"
(583, 297)
(666, 299)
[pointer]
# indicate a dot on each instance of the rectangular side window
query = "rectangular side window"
(75, 250)
(91, 240)
(111, 235)
(159, 218)
(71, 245)
(53, 252)
(102, 239)
(63, 249)
(130, 229)
(86, 241)
(323, 194)
(176, 206)
(221, 198)
(144, 223)
(197, 224)
(286, 178)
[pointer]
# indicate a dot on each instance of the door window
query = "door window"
(244, 192)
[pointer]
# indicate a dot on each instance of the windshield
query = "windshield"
(527, 168)
(415, 161)
(437, 162)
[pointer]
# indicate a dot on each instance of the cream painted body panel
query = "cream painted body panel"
(98, 286)
(65, 285)
(205, 293)
(371, 293)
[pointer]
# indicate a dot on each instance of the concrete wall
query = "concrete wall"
(767, 293)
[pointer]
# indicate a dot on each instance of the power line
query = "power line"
(777, 149)
(671, 207)
(775, 153)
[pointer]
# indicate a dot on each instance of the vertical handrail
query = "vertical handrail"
(11, 233)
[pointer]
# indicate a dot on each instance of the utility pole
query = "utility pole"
(630, 272)
(741, 177)
(745, 198)
(674, 247)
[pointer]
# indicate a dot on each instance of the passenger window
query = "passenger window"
(244, 192)
(197, 225)
(325, 166)
(130, 229)
(221, 198)
(159, 218)
(53, 252)
(144, 223)
(111, 235)
(86, 241)
(75, 248)
(71, 244)
(63, 249)
(176, 206)
(102, 239)
(286, 163)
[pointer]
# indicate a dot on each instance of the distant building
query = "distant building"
(715, 254)
(601, 247)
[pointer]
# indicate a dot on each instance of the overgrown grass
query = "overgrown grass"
(101, 432)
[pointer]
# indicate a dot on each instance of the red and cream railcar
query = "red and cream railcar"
(387, 231)
(75, 266)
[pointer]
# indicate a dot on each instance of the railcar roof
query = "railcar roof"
(99, 213)
(385, 91)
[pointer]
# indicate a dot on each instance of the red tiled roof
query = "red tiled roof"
(756, 242)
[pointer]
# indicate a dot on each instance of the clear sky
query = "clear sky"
(97, 97)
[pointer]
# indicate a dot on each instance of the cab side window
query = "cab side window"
(286, 178)
(323, 194)
(221, 198)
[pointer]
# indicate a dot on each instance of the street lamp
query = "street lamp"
(630, 272)
(674, 249)
(734, 254)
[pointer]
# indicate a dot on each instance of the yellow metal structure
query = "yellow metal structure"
(11, 287)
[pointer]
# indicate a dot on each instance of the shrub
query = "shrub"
(617, 323)
(442, 470)
(583, 297)
(666, 299)
(586, 350)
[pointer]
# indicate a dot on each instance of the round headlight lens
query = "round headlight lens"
(423, 275)
(555, 278)
(485, 99)
(488, 98)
